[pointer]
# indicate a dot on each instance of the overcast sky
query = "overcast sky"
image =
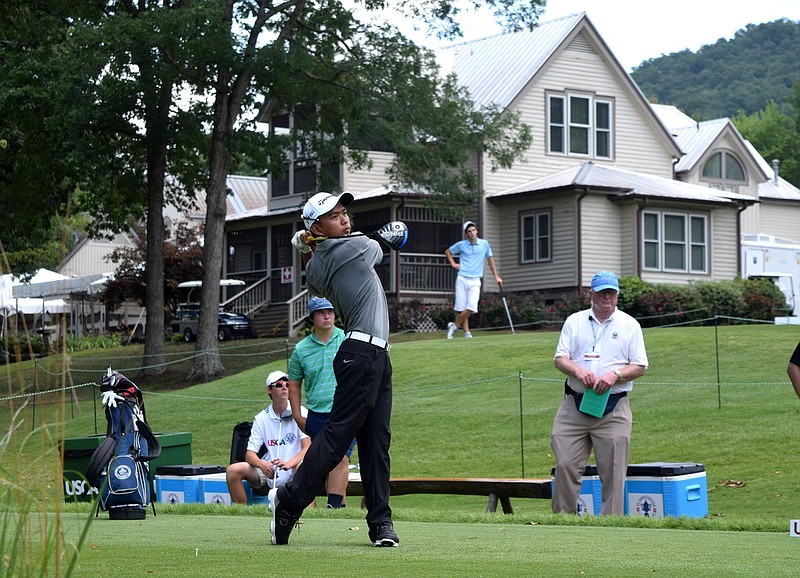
(637, 30)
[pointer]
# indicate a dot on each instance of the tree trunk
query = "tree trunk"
(207, 364)
(156, 139)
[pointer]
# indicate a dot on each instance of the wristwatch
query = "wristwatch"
(618, 373)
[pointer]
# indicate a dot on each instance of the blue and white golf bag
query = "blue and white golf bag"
(121, 465)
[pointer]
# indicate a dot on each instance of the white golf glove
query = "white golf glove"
(299, 244)
(109, 398)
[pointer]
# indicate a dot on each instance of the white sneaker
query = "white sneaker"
(468, 335)
(451, 330)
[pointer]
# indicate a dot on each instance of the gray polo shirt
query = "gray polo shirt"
(343, 271)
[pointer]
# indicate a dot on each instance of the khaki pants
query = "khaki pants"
(574, 435)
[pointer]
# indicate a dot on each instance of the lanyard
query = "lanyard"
(604, 326)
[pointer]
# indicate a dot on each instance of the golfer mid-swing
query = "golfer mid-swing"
(343, 271)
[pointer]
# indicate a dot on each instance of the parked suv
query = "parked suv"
(231, 325)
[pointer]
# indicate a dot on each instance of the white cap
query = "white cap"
(322, 203)
(276, 376)
(467, 225)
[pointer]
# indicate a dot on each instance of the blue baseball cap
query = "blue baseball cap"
(317, 303)
(605, 280)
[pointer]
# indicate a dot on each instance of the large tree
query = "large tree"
(355, 82)
(136, 84)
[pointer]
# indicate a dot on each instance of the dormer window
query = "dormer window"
(724, 172)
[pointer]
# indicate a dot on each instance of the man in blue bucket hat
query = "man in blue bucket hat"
(601, 351)
(311, 366)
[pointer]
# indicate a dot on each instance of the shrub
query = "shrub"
(762, 299)
(721, 297)
(25, 344)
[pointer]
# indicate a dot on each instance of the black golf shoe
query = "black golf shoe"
(282, 522)
(383, 536)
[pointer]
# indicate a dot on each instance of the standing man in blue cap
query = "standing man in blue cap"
(600, 349)
(311, 366)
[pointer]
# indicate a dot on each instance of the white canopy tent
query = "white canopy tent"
(45, 293)
(9, 304)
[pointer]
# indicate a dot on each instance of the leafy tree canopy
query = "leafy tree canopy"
(759, 64)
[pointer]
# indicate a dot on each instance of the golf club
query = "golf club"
(508, 313)
(394, 235)
(277, 452)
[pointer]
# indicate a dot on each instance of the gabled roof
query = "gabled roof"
(495, 70)
(622, 184)
(696, 138)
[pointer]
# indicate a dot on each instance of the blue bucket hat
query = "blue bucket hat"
(317, 303)
(605, 280)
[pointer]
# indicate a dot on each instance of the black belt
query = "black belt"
(578, 397)
(569, 391)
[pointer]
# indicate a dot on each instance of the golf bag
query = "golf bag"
(120, 465)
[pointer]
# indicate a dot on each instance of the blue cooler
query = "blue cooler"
(180, 484)
(177, 489)
(591, 496)
(661, 489)
(214, 489)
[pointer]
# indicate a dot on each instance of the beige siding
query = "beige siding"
(637, 144)
(601, 236)
(751, 219)
(780, 220)
(629, 240)
(90, 258)
(368, 179)
(560, 271)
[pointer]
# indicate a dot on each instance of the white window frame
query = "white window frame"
(591, 129)
(687, 244)
(537, 236)
(724, 182)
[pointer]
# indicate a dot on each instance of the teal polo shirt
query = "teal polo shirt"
(312, 363)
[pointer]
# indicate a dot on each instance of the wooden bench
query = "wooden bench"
(502, 489)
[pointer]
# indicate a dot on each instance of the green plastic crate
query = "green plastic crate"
(176, 449)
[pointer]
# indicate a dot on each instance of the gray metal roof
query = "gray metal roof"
(622, 184)
(497, 68)
(779, 188)
(246, 194)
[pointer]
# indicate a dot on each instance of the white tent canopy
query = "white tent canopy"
(30, 305)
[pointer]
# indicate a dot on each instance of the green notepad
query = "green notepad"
(594, 404)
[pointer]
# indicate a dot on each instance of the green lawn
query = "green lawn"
(176, 545)
(484, 407)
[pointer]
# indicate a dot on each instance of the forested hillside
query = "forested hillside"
(759, 64)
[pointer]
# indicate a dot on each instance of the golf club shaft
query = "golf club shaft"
(508, 313)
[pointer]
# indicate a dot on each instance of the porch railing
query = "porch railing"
(251, 299)
(426, 272)
(298, 310)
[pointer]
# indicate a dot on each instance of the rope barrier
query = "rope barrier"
(515, 376)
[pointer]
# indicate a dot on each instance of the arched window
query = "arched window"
(723, 171)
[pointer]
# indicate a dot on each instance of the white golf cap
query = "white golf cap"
(322, 203)
(276, 376)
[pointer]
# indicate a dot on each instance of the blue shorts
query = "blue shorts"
(314, 424)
